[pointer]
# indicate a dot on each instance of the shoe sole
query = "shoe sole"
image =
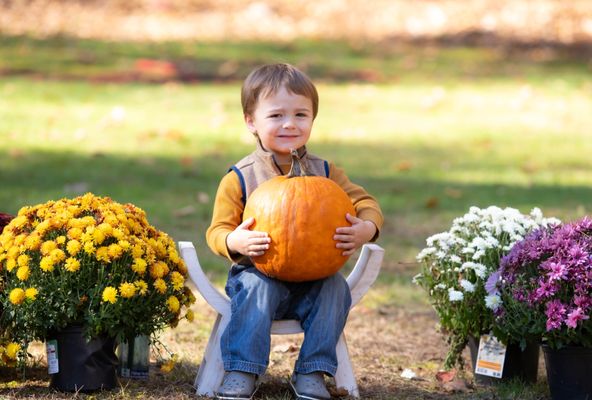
(228, 397)
(304, 396)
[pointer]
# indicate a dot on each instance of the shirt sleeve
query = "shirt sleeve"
(366, 206)
(226, 216)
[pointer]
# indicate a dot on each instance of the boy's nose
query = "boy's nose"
(289, 123)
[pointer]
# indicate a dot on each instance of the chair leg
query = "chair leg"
(211, 370)
(344, 377)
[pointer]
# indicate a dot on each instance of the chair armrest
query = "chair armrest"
(212, 295)
(365, 271)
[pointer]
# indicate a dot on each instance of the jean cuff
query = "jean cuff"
(245, 366)
(315, 366)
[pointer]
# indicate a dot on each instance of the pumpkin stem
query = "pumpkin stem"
(298, 168)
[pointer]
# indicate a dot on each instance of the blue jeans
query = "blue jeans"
(256, 300)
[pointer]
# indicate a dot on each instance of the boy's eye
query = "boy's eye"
(274, 116)
(301, 115)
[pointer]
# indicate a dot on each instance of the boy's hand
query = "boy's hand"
(246, 242)
(353, 237)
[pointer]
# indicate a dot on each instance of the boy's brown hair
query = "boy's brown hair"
(268, 79)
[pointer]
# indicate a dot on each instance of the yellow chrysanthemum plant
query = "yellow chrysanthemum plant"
(93, 262)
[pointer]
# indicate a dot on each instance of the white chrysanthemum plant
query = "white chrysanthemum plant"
(456, 264)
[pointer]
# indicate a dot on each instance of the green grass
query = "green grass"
(439, 130)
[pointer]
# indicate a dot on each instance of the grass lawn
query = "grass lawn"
(428, 137)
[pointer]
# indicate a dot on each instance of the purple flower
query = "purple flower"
(549, 275)
(557, 271)
(555, 314)
(574, 316)
(491, 284)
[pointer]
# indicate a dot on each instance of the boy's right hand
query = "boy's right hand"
(247, 242)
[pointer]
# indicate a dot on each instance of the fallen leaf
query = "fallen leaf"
(453, 193)
(337, 392)
(184, 211)
(445, 376)
(432, 202)
(285, 348)
(203, 198)
(456, 385)
(404, 166)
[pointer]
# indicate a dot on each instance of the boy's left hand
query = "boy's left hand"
(353, 237)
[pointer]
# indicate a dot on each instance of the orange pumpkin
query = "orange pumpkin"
(300, 213)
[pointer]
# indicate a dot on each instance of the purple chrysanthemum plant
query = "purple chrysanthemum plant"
(545, 287)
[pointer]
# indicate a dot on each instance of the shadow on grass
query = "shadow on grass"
(474, 55)
(178, 196)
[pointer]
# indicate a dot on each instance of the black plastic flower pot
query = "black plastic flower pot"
(78, 365)
(568, 373)
(519, 364)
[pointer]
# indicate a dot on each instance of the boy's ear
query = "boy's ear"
(250, 124)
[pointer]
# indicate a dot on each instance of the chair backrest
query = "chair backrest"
(359, 280)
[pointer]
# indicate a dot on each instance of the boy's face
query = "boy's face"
(283, 121)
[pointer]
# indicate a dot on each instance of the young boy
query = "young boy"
(280, 104)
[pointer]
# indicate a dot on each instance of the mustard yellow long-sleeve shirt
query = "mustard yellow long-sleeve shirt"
(228, 207)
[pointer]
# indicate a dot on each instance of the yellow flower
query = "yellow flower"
(33, 241)
(43, 226)
(106, 228)
(158, 269)
(139, 266)
(57, 255)
(174, 256)
(10, 264)
(31, 293)
(98, 236)
(61, 239)
(160, 286)
(47, 247)
(46, 264)
(103, 254)
(178, 280)
(23, 273)
(124, 244)
(118, 234)
(74, 233)
(13, 251)
(142, 287)
(110, 295)
(73, 247)
(137, 251)
(190, 315)
(12, 350)
(115, 251)
(19, 221)
(173, 304)
(23, 260)
(17, 296)
(89, 248)
(72, 264)
(127, 290)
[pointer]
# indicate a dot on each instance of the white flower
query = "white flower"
(493, 301)
(455, 295)
(467, 285)
(455, 259)
(440, 286)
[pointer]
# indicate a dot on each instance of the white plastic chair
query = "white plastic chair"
(211, 370)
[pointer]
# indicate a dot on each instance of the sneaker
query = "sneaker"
(237, 385)
(310, 386)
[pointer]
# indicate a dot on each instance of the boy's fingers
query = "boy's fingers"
(246, 223)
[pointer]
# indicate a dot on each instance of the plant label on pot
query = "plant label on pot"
(51, 348)
(491, 356)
